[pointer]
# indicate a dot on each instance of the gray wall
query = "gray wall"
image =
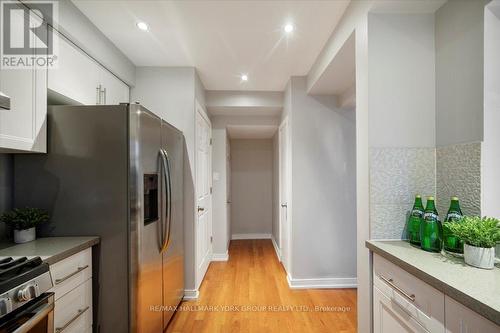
(6, 187)
(323, 148)
(251, 186)
(276, 189)
(459, 72)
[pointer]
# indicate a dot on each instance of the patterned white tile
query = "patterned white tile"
(388, 221)
(459, 174)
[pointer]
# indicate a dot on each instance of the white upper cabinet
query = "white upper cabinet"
(76, 75)
(23, 127)
(83, 80)
(113, 90)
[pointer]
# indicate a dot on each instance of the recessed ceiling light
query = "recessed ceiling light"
(143, 26)
(244, 77)
(288, 28)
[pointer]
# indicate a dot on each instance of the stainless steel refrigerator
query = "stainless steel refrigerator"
(115, 172)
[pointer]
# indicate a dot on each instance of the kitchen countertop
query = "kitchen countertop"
(50, 249)
(477, 289)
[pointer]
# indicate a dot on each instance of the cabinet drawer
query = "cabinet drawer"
(389, 317)
(73, 311)
(419, 300)
(71, 272)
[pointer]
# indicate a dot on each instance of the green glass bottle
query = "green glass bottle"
(414, 221)
(452, 243)
(430, 229)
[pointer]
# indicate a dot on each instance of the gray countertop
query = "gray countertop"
(50, 249)
(477, 289)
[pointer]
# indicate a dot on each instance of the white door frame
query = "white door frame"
(285, 248)
(201, 271)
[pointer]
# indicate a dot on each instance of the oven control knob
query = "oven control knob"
(5, 306)
(28, 293)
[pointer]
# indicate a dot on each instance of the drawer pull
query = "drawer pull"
(390, 282)
(80, 312)
(79, 269)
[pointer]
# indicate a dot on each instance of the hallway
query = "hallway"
(249, 293)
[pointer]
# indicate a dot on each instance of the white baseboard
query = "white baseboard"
(250, 236)
(220, 256)
(322, 283)
(191, 294)
(276, 248)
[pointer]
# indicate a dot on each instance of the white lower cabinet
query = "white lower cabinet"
(73, 311)
(388, 316)
(404, 303)
(460, 319)
(72, 279)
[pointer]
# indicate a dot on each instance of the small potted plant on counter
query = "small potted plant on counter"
(480, 235)
(23, 221)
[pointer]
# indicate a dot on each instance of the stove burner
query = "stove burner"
(14, 272)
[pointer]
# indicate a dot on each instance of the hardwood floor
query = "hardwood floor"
(249, 293)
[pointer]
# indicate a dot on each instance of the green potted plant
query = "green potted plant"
(23, 221)
(480, 236)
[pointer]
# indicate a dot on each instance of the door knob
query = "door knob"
(284, 205)
(201, 209)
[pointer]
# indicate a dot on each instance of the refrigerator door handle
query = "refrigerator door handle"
(168, 187)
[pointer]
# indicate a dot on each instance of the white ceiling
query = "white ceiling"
(222, 39)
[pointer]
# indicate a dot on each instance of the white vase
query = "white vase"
(479, 256)
(24, 236)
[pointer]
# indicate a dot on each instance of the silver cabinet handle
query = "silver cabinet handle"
(390, 282)
(78, 315)
(284, 205)
(104, 94)
(78, 270)
(98, 95)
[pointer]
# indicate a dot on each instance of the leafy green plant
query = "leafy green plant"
(24, 218)
(476, 231)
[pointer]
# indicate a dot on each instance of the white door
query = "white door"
(203, 192)
(228, 189)
(284, 193)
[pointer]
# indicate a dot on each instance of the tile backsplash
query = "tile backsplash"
(459, 174)
(398, 174)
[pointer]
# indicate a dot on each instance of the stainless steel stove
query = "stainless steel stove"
(25, 304)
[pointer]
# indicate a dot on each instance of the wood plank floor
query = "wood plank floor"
(249, 293)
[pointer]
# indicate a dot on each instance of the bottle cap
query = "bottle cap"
(418, 196)
(430, 198)
(454, 198)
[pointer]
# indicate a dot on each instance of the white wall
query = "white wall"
(251, 186)
(459, 72)
(170, 92)
(323, 146)
(402, 80)
(490, 191)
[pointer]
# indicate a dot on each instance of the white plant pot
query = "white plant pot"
(479, 256)
(24, 236)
